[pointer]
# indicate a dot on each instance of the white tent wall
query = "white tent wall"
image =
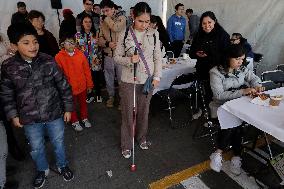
(7, 7)
(260, 21)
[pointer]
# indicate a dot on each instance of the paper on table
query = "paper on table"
(258, 101)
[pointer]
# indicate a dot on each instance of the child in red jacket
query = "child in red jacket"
(76, 69)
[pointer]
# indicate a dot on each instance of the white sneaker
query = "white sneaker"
(197, 115)
(99, 99)
(87, 123)
(216, 161)
(76, 126)
(126, 153)
(90, 99)
(235, 166)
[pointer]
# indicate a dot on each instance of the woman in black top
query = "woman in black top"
(208, 48)
(47, 42)
(157, 23)
(209, 44)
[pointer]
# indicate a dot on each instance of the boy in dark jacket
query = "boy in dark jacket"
(35, 95)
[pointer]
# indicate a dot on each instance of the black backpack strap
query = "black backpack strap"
(154, 36)
(125, 36)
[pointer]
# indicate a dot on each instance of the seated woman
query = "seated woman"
(237, 38)
(228, 81)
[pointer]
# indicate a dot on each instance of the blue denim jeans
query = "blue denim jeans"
(3, 154)
(35, 134)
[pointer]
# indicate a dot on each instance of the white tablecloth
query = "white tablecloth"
(267, 119)
(174, 70)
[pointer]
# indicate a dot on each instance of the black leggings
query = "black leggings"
(232, 137)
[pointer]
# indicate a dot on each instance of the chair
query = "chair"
(280, 67)
(181, 90)
(170, 54)
(269, 85)
(257, 59)
(277, 76)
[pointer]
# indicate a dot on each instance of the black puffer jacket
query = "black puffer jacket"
(35, 92)
(213, 44)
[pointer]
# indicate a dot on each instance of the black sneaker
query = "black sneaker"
(40, 179)
(66, 173)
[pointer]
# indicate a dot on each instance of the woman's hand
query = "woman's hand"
(135, 59)
(249, 91)
(155, 83)
(201, 54)
(89, 90)
(259, 89)
(16, 122)
(67, 116)
(96, 61)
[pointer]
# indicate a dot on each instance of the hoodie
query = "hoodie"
(176, 28)
(76, 69)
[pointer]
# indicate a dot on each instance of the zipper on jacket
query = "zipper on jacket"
(36, 101)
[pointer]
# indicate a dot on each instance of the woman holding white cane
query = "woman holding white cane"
(149, 67)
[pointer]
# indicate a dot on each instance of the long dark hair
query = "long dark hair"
(141, 8)
(233, 51)
(211, 15)
(93, 30)
(163, 33)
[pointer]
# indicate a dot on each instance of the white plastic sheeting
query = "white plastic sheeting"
(260, 21)
(8, 7)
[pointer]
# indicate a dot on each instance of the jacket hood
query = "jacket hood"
(62, 52)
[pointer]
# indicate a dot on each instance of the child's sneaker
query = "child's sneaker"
(216, 161)
(76, 126)
(86, 123)
(40, 178)
(109, 102)
(235, 165)
(66, 173)
(99, 99)
(90, 99)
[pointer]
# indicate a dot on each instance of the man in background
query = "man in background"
(88, 5)
(21, 15)
(193, 23)
(97, 9)
(176, 29)
(113, 23)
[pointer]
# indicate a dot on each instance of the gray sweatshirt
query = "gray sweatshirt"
(227, 86)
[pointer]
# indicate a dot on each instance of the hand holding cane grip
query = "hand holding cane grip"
(135, 64)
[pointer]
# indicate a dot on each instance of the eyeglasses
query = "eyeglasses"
(69, 43)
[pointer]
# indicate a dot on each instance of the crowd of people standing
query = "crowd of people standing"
(43, 82)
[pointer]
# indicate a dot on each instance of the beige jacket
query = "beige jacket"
(109, 30)
(152, 55)
(4, 47)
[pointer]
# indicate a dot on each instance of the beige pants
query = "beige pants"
(142, 111)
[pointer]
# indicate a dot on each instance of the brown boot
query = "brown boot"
(109, 102)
